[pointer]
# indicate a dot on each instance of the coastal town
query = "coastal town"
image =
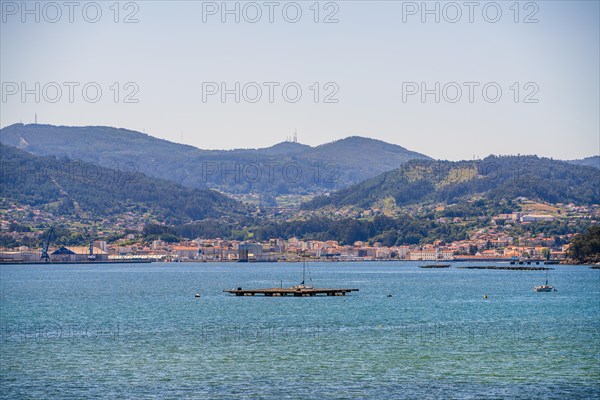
(485, 244)
(493, 240)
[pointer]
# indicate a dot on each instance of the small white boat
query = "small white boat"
(545, 287)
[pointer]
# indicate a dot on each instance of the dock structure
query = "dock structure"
(506, 268)
(296, 292)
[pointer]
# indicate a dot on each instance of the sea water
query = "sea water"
(138, 331)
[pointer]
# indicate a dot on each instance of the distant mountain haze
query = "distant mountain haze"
(593, 161)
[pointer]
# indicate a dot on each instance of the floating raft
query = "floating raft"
(507, 268)
(280, 292)
(536, 262)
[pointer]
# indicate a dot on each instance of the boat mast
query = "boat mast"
(303, 270)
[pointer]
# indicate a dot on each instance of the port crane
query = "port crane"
(45, 256)
(92, 256)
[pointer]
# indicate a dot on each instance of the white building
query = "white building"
(430, 255)
(536, 218)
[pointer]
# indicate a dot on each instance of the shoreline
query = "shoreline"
(433, 263)
(74, 262)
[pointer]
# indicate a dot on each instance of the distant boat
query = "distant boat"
(545, 287)
(302, 285)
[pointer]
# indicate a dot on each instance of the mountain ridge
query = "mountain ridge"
(280, 169)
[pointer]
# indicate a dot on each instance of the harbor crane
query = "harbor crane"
(45, 256)
(92, 256)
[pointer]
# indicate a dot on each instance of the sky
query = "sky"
(453, 80)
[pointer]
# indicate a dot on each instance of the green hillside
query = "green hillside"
(71, 188)
(494, 178)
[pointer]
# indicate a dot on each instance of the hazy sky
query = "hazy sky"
(374, 61)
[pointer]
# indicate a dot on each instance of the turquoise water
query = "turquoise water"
(137, 331)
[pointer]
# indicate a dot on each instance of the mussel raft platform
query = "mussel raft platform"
(280, 292)
(526, 268)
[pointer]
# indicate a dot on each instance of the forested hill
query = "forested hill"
(495, 178)
(280, 169)
(67, 187)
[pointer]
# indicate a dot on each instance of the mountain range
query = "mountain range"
(281, 169)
